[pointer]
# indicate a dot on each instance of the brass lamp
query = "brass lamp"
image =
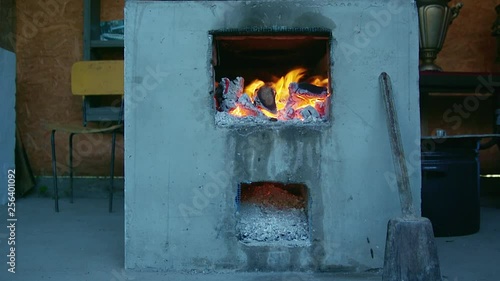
(434, 18)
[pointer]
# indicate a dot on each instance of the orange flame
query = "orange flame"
(319, 81)
(280, 86)
(241, 111)
(282, 98)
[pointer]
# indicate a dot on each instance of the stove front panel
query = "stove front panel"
(182, 171)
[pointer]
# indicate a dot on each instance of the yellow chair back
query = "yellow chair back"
(90, 78)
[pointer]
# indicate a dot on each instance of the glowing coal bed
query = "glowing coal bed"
(272, 214)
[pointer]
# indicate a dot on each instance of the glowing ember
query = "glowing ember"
(241, 111)
(285, 98)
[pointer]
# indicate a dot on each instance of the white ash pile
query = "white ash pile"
(267, 224)
(269, 213)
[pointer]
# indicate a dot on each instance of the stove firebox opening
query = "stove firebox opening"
(268, 76)
(271, 213)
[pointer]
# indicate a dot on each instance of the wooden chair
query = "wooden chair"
(91, 79)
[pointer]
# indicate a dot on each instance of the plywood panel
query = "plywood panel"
(49, 41)
(112, 9)
(469, 45)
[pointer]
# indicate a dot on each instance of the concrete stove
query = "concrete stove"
(195, 189)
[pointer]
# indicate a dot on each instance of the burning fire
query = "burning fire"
(284, 98)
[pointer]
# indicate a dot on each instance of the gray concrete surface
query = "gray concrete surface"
(85, 242)
(83, 187)
(7, 117)
(182, 171)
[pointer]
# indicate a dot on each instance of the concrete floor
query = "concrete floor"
(85, 242)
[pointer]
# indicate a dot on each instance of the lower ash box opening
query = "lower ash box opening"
(271, 213)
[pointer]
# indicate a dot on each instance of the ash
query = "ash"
(224, 119)
(258, 223)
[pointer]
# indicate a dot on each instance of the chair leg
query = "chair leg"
(113, 141)
(54, 169)
(71, 166)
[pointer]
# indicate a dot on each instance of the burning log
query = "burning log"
(218, 95)
(312, 89)
(229, 92)
(266, 98)
(246, 101)
(305, 101)
(307, 89)
(245, 107)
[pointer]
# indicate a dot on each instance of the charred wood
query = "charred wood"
(307, 89)
(266, 98)
(231, 91)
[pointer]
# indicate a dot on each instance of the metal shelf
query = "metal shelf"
(92, 31)
(459, 82)
(106, 44)
(95, 49)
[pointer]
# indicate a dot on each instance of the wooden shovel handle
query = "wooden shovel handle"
(398, 154)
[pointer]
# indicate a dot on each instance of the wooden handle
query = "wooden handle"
(398, 154)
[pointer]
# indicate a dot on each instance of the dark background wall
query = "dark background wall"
(49, 41)
(469, 47)
(7, 24)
